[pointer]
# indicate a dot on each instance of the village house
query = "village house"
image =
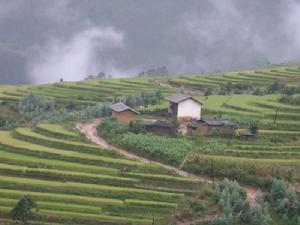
(123, 113)
(184, 108)
(160, 127)
(212, 127)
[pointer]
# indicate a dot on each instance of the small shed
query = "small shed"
(161, 127)
(245, 135)
(123, 113)
(207, 127)
(184, 107)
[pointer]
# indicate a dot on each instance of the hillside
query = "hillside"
(77, 182)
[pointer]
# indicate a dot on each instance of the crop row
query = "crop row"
(64, 217)
(29, 136)
(57, 131)
(61, 175)
(74, 203)
(260, 154)
(91, 190)
(18, 146)
(37, 161)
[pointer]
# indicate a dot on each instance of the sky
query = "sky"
(42, 41)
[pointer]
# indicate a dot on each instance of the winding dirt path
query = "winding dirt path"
(89, 129)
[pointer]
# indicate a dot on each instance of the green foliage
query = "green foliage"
(294, 100)
(208, 91)
(228, 191)
(231, 198)
(111, 129)
(275, 87)
(259, 91)
(6, 122)
(89, 112)
(171, 150)
(145, 98)
(32, 105)
(285, 201)
(210, 145)
(136, 127)
(256, 215)
(253, 127)
(23, 210)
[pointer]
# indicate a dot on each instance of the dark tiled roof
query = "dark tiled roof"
(214, 122)
(176, 98)
(156, 123)
(121, 107)
(195, 123)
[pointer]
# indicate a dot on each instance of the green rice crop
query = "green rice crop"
(94, 190)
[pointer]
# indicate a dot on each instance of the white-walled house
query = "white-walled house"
(184, 107)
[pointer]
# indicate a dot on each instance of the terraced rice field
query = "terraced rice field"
(260, 107)
(75, 182)
(91, 92)
(288, 75)
(83, 93)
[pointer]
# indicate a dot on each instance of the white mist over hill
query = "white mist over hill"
(74, 58)
(43, 41)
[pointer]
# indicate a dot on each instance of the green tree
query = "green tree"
(23, 210)
(285, 201)
(253, 127)
(32, 105)
(208, 91)
(6, 122)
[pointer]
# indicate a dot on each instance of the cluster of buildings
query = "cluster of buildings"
(188, 113)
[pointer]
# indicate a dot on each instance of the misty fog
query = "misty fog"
(43, 41)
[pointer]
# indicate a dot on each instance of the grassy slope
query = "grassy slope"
(114, 190)
(52, 158)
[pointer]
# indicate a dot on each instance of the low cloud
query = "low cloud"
(77, 57)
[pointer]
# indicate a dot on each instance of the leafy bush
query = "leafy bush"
(294, 100)
(100, 110)
(208, 91)
(285, 201)
(253, 127)
(111, 130)
(258, 91)
(145, 98)
(23, 210)
(231, 198)
(32, 105)
(6, 122)
(275, 87)
(136, 127)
